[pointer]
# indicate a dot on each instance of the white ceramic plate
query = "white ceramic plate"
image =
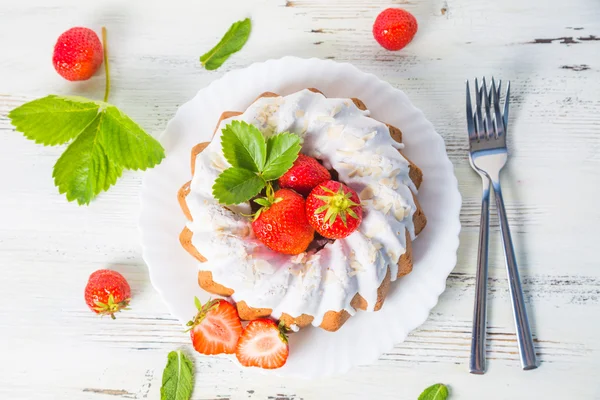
(314, 352)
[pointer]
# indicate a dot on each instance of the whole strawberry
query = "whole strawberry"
(305, 174)
(334, 210)
(394, 28)
(263, 344)
(216, 328)
(77, 54)
(281, 223)
(107, 292)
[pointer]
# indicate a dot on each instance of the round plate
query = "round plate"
(367, 335)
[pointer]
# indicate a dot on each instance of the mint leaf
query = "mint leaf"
(282, 151)
(236, 185)
(435, 392)
(126, 143)
(233, 41)
(244, 146)
(178, 377)
(53, 120)
(84, 169)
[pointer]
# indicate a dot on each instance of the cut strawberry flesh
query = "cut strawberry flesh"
(215, 329)
(218, 331)
(260, 347)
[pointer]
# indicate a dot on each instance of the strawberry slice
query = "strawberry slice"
(216, 328)
(263, 344)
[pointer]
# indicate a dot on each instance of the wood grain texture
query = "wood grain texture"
(52, 347)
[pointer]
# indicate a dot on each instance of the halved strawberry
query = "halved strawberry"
(263, 344)
(216, 328)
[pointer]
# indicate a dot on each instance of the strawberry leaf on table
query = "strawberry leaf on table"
(438, 391)
(178, 377)
(237, 185)
(254, 161)
(53, 120)
(104, 141)
(84, 169)
(244, 146)
(282, 150)
(126, 143)
(233, 40)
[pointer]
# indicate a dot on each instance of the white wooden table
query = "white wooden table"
(53, 347)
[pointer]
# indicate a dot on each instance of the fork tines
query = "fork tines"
(484, 124)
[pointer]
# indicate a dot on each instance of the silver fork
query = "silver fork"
(488, 155)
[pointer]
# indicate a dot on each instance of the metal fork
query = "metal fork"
(488, 155)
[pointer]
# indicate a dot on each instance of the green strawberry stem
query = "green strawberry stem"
(266, 202)
(339, 203)
(203, 309)
(110, 307)
(106, 70)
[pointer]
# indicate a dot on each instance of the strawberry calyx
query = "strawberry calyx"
(266, 202)
(283, 331)
(203, 310)
(111, 307)
(336, 204)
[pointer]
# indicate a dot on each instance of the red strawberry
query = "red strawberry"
(334, 210)
(281, 223)
(107, 292)
(394, 28)
(77, 54)
(263, 344)
(305, 174)
(216, 328)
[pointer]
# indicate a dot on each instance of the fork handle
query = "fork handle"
(477, 362)
(524, 339)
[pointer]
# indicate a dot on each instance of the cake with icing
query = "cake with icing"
(328, 283)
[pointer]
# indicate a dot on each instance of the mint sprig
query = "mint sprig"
(254, 161)
(178, 377)
(233, 41)
(103, 140)
(438, 391)
(244, 147)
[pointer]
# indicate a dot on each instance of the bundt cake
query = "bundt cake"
(325, 285)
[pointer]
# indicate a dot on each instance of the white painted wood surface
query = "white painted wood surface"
(53, 347)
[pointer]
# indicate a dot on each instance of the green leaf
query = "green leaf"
(178, 377)
(438, 391)
(53, 120)
(197, 303)
(235, 185)
(244, 146)
(282, 151)
(84, 169)
(126, 143)
(262, 202)
(104, 142)
(233, 41)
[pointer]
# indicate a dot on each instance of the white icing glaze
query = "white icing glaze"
(360, 148)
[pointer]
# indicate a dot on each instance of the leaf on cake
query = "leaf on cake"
(236, 185)
(282, 151)
(244, 146)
